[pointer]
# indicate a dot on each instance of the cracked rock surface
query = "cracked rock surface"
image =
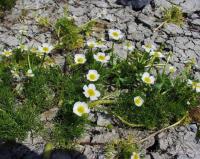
(138, 27)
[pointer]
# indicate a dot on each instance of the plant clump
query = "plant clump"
(141, 90)
(174, 15)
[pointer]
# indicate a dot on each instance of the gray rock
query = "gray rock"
(162, 3)
(103, 120)
(147, 20)
(136, 4)
(105, 137)
(196, 22)
(9, 40)
(190, 6)
(173, 29)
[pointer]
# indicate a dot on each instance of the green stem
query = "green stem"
(127, 123)
(112, 55)
(48, 150)
(29, 64)
(151, 63)
(168, 59)
(171, 126)
(43, 58)
(100, 102)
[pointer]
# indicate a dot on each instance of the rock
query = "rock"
(162, 3)
(103, 120)
(105, 137)
(196, 22)
(9, 40)
(136, 4)
(147, 20)
(60, 155)
(49, 115)
(179, 142)
(190, 6)
(173, 29)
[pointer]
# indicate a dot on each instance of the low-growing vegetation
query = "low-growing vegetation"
(141, 90)
(174, 15)
(7, 4)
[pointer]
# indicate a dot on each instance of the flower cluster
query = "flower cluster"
(40, 51)
(152, 50)
(90, 90)
(195, 85)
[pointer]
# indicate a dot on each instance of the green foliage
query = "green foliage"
(121, 149)
(69, 34)
(165, 102)
(43, 21)
(32, 83)
(174, 15)
(7, 4)
(20, 110)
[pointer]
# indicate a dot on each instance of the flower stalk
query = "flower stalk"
(100, 102)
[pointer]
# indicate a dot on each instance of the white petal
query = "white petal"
(92, 86)
(93, 98)
(85, 87)
(98, 94)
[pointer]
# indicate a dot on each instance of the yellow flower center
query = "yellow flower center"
(147, 79)
(156, 54)
(81, 109)
(102, 57)
(80, 60)
(92, 76)
(136, 156)
(148, 46)
(45, 49)
(7, 53)
(91, 45)
(194, 85)
(115, 34)
(33, 50)
(91, 92)
(138, 101)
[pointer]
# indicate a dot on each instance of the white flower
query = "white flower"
(45, 48)
(29, 73)
(149, 47)
(15, 73)
(79, 59)
(39, 54)
(138, 101)
(115, 34)
(135, 156)
(172, 69)
(91, 43)
(147, 78)
(198, 87)
(128, 46)
(23, 32)
(7, 53)
(80, 108)
(102, 57)
(34, 49)
(23, 47)
(195, 85)
(91, 92)
(49, 62)
(92, 75)
(100, 45)
(156, 54)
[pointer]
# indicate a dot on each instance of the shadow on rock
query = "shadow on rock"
(136, 4)
(13, 150)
